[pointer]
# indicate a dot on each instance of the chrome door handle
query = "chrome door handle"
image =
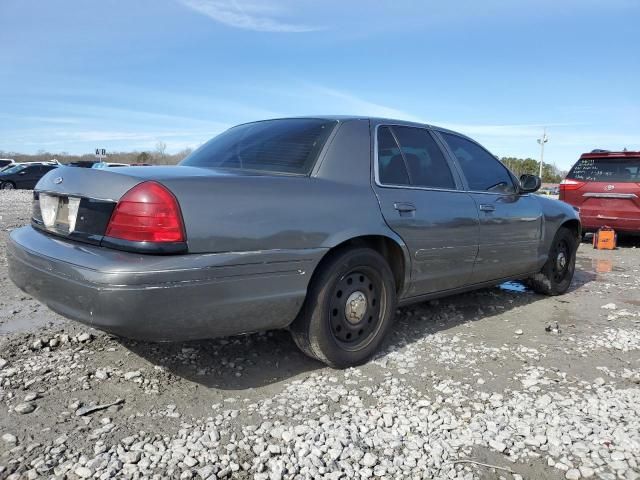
(487, 207)
(404, 207)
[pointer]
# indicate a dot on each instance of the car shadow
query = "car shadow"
(628, 241)
(268, 358)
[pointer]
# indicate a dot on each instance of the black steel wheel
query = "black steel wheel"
(354, 310)
(557, 273)
(562, 260)
(348, 309)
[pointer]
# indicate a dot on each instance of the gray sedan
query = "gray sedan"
(319, 225)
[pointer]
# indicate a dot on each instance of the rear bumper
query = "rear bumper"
(619, 224)
(162, 298)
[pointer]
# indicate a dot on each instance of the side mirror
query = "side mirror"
(529, 183)
(23, 172)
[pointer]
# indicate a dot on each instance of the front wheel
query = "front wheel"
(7, 186)
(556, 275)
(348, 309)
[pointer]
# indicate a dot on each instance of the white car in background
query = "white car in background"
(6, 162)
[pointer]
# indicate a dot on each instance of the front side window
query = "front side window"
(281, 146)
(483, 171)
(15, 169)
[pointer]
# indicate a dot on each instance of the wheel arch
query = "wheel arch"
(393, 250)
(573, 225)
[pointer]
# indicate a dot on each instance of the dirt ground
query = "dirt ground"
(542, 387)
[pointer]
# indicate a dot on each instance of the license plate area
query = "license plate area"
(59, 213)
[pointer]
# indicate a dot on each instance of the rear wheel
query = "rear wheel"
(7, 186)
(348, 310)
(556, 275)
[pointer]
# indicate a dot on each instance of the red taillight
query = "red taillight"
(570, 184)
(147, 213)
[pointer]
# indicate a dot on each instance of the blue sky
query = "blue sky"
(80, 74)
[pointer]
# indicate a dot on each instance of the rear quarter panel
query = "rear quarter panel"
(249, 213)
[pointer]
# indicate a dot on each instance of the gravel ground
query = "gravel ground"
(533, 387)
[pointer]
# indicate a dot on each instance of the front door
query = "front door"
(510, 222)
(421, 201)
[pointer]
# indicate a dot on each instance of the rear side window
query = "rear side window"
(424, 159)
(483, 171)
(391, 166)
(282, 146)
(606, 170)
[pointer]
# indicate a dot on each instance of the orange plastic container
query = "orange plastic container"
(605, 239)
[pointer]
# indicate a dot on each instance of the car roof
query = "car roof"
(608, 154)
(376, 120)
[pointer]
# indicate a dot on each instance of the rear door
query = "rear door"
(421, 199)
(37, 172)
(607, 191)
(510, 222)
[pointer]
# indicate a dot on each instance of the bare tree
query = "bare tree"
(161, 149)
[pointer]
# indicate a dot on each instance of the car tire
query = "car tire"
(7, 186)
(556, 275)
(348, 310)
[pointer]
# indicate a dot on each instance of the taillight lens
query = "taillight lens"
(147, 213)
(570, 184)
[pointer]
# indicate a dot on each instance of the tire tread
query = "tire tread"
(305, 328)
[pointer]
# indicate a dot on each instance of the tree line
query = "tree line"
(519, 166)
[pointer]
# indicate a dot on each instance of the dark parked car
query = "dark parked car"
(83, 163)
(24, 175)
(319, 225)
(605, 186)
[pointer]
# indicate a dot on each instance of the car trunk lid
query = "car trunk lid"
(77, 203)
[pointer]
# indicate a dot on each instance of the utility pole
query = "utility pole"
(542, 140)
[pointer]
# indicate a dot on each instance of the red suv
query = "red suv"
(605, 186)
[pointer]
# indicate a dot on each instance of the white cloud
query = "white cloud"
(567, 140)
(354, 105)
(351, 104)
(488, 130)
(258, 16)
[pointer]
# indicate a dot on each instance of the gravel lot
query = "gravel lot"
(539, 387)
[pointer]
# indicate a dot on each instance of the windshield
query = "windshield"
(606, 170)
(14, 169)
(283, 146)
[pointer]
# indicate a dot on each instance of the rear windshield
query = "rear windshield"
(606, 170)
(283, 146)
